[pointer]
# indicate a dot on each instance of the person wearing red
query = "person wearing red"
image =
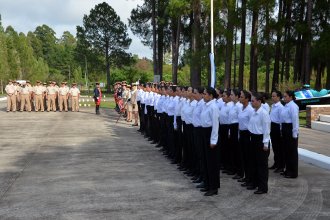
(97, 98)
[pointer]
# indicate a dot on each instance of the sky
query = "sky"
(64, 15)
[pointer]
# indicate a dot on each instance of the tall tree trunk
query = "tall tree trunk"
(154, 37)
(319, 71)
(254, 51)
(242, 48)
(267, 49)
(327, 84)
(176, 23)
(278, 48)
(299, 47)
(195, 73)
(288, 40)
(308, 42)
(229, 42)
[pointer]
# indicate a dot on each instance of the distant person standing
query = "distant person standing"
(51, 94)
(39, 94)
(290, 132)
(25, 98)
(63, 93)
(97, 98)
(11, 98)
(259, 127)
(75, 93)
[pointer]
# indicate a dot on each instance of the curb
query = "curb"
(316, 159)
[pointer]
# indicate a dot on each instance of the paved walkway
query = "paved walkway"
(316, 141)
(83, 166)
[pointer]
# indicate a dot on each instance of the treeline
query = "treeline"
(288, 40)
(40, 55)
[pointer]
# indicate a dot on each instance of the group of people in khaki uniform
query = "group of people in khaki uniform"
(40, 97)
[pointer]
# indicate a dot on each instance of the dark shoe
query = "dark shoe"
(211, 192)
(236, 177)
(290, 176)
(245, 184)
(231, 173)
(150, 139)
(154, 142)
(200, 186)
(258, 192)
(198, 180)
(283, 173)
(278, 170)
(133, 125)
(243, 180)
(158, 145)
(204, 190)
(251, 188)
(272, 167)
(225, 171)
(183, 169)
(194, 178)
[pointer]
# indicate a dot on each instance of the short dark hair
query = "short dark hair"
(290, 93)
(227, 92)
(235, 91)
(278, 93)
(247, 95)
(211, 91)
(258, 96)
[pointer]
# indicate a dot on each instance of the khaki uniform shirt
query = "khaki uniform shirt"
(63, 90)
(51, 90)
(39, 90)
(17, 90)
(10, 89)
(74, 91)
(25, 90)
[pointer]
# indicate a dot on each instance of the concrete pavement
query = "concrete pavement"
(83, 166)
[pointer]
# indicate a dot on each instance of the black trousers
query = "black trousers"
(290, 146)
(235, 151)
(170, 136)
(224, 154)
(190, 153)
(163, 130)
(178, 140)
(184, 145)
(149, 121)
(276, 137)
(210, 160)
(197, 150)
(260, 167)
(142, 118)
(245, 148)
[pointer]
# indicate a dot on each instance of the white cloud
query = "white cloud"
(63, 15)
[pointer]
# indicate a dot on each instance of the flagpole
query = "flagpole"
(212, 50)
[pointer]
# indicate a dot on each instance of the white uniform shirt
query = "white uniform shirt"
(177, 110)
(290, 114)
(275, 113)
(260, 124)
(25, 90)
(266, 107)
(220, 103)
(196, 120)
(244, 117)
(235, 109)
(224, 113)
(188, 111)
(63, 90)
(183, 106)
(210, 118)
(171, 106)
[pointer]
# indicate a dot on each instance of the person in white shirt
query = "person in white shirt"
(197, 130)
(290, 132)
(259, 127)
(275, 132)
(220, 101)
(244, 135)
(234, 151)
(225, 163)
(210, 124)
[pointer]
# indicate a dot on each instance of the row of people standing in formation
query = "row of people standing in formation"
(204, 130)
(125, 96)
(40, 97)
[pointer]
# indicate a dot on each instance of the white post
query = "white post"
(212, 50)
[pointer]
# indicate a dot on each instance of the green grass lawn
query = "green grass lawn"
(106, 104)
(302, 119)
